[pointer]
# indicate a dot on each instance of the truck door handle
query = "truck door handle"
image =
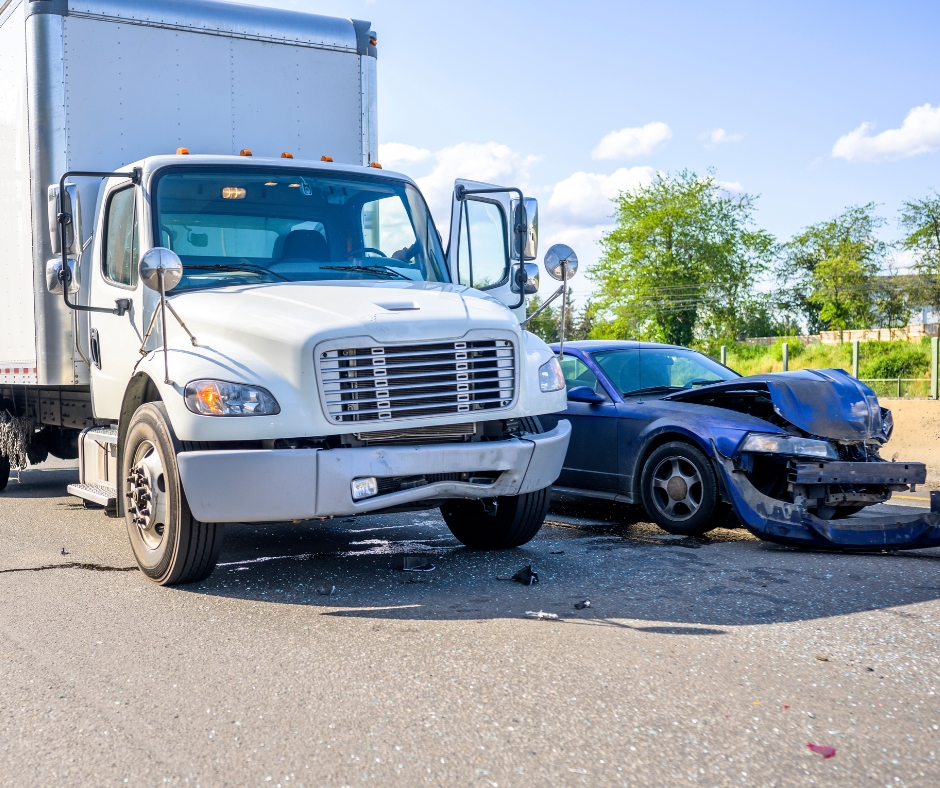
(94, 346)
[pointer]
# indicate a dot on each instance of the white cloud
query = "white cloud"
(920, 133)
(720, 136)
(632, 142)
(394, 154)
(732, 187)
(584, 199)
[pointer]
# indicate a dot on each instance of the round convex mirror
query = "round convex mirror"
(157, 259)
(558, 258)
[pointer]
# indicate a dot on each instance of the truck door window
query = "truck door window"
(121, 241)
(482, 250)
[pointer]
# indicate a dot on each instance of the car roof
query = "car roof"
(594, 345)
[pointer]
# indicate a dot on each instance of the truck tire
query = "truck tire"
(517, 518)
(679, 489)
(4, 471)
(170, 545)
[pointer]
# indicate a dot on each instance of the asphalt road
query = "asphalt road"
(700, 662)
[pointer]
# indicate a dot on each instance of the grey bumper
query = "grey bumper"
(300, 484)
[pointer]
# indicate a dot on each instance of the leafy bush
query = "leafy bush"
(894, 360)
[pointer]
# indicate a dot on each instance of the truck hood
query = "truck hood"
(828, 403)
(387, 311)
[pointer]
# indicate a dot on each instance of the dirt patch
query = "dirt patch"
(916, 434)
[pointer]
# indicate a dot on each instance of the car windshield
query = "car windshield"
(252, 225)
(637, 369)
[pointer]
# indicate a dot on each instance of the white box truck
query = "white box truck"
(215, 299)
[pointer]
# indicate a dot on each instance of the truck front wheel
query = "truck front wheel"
(515, 521)
(171, 547)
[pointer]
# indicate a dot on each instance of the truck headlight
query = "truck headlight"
(784, 444)
(550, 376)
(218, 398)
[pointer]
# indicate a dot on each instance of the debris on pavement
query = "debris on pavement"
(64, 551)
(324, 591)
(582, 604)
(820, 749)
(526, 576)
(417, 564)
(541, 616)
(822, 657)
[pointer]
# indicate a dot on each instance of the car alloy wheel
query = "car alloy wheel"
(677, 488)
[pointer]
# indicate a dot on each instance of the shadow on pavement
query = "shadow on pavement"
(40, 483)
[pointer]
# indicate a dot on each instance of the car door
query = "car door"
(592, 462)
(114, 340)
(480, 241)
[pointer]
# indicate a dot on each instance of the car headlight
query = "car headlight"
(550, 376)
(219, 398)
(784, 444)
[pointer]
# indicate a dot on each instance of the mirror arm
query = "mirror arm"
(548, 301)
(121, 305)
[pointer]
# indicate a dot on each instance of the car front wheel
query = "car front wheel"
(679, 489)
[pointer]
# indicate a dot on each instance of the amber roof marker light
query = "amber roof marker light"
(244, 152)
(326, 158)
(286, 155)
(376, 165)
(182, 151)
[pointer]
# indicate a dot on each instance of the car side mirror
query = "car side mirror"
(585, 394)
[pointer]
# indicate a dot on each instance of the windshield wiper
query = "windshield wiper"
(239, 267)
(383, 270)
(651, 389)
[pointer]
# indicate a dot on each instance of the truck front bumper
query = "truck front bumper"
(301, 484)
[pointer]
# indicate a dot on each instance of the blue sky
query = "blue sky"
(772, 96)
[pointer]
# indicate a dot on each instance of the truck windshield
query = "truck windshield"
(252, 225)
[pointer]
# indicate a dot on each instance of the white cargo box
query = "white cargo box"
(98, 84)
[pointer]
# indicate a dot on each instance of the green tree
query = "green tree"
(830, 269)
(682, 261)
(920, 220)
(545, 324)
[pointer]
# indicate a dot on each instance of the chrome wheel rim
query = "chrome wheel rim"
(677, 488)
(146, 495)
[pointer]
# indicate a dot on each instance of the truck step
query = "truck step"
(96, 493)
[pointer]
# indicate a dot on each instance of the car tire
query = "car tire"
(4, 471)
(679, 489)
(171, 547)
(517, 518)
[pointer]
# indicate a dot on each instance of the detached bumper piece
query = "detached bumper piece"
(302, 484)
(860, 473)
(791, 524)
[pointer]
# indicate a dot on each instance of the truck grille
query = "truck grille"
(410, 381)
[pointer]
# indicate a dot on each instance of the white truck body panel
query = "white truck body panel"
(98, 84)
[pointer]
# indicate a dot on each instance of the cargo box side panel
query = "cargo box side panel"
(17, 315)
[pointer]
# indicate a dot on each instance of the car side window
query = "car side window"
(577, 373)
(121, 239)
(482, 246)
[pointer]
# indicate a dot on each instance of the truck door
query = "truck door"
(114, 341)
(480, 252)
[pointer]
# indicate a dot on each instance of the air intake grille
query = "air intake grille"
(410, 381)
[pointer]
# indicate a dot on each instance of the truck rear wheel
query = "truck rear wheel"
(517, 518)
(171, 547)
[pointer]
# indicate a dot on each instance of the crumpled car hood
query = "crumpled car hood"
(828, 403)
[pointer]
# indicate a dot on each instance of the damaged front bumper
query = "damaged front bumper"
(301, 484)
(792, 524)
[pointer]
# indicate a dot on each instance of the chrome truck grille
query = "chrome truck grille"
(410, 381)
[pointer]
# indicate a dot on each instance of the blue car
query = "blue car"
(795, 454)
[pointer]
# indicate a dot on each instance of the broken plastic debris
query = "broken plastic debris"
(324, 591)
(64, 551)
(785, 706)
(583, 604)
(820, 749)
(541, 616)
(822, 657)
(417, 564)
(526, 576)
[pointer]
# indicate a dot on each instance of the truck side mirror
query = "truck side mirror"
(528, 238)
(525, 278)
(70, 204)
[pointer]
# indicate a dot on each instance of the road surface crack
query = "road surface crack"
(71, 565)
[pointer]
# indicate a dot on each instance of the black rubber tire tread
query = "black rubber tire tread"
(517, 520)
(195, 547)
(705, 519)
(4, 471)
